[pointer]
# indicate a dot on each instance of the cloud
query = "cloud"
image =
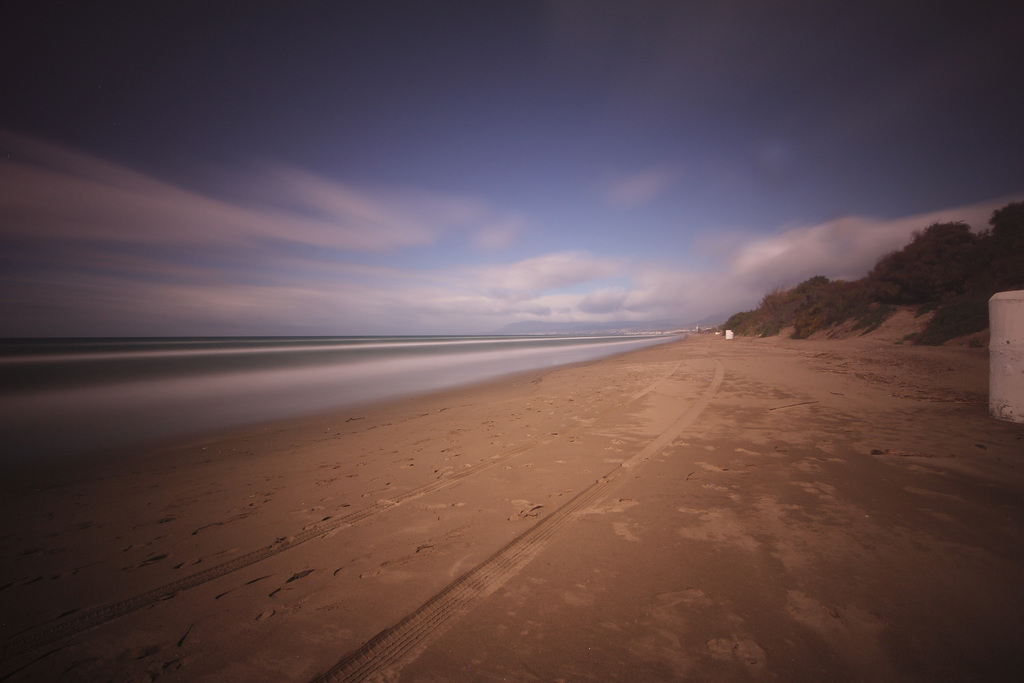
(843, 248)
(499, 234)
(549, 271)
(604, 301)
(91, 247)
(640, 188)
(50, 192)
(752, 265)
(741, 273)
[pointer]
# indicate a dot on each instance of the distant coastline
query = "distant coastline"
(538, 327)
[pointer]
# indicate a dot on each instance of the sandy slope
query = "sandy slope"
(705, 510)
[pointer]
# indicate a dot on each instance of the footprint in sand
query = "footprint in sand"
(526, 509)
(810, 612)
(145, 563)
(623, 531)
(708, 467)
(749, 653)
(300, 575)
(207, 526)
(667, 602)
(929, 492)
(820, 489)
(852, 632)
(617, 505)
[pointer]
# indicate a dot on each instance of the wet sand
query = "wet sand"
(702, 510)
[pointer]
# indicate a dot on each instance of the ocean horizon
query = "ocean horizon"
(75, 397)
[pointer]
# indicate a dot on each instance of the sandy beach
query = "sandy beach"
(707, 510)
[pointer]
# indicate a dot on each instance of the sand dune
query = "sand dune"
(705, 510)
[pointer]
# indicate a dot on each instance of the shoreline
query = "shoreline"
(57, 470)
(88, 400)
(806, 472)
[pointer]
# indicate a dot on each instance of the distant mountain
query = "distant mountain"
(629, 326)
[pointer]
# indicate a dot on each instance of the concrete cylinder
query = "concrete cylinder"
(1006, 356)
(728, 334)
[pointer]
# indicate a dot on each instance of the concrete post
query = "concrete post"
(1006, 356)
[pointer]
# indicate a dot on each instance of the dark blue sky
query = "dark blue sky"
(318, 167)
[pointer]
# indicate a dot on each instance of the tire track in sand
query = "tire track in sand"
(51, 632)
(385, 651)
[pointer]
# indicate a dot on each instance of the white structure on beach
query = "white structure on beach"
(1006, 356)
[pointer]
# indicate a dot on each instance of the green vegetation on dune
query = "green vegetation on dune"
(946, 268)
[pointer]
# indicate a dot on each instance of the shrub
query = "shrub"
(953, 319)
(873, 318)
(737, 322)
(946, 268)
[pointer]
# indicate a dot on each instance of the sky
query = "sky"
(346, 168)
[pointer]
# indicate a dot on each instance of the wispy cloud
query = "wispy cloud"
(739, 275)
(746, 266)
(499, 234)
(640, 188)
(549, 271)
(92, 247)
(128, 251)
(48, 191)
(842, 248)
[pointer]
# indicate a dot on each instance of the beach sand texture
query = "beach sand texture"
(751, 509)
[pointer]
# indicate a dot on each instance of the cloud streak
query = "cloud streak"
(52, 192)
(94, 248)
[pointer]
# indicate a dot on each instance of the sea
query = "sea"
(76, 397)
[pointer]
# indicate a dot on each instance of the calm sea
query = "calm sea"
(79, 396)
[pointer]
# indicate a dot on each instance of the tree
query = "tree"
(1002, 257)
(1008, 223)
(934, 266)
